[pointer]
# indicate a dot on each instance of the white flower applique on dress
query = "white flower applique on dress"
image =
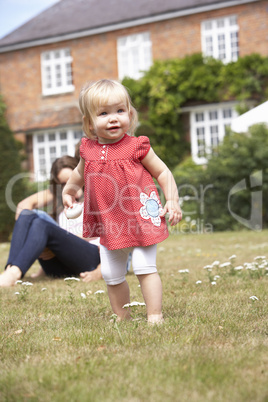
(151, 208)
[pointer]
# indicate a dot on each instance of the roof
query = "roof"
(69, 19)
(50, 119)
(257, 115)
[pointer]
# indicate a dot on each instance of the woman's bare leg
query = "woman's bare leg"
(39, 273)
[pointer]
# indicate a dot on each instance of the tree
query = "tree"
(246, 79)
(238, 158)
(10, 166)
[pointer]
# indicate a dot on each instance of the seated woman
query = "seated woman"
(36, 235)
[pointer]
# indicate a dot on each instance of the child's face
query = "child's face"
(112, 122)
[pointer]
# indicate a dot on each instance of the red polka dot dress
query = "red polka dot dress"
(122, 205)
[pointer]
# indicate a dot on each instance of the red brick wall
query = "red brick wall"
(95, 57)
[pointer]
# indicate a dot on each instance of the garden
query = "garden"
(59, 340)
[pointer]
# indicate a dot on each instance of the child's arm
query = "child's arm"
(75, 183)
(163, 175)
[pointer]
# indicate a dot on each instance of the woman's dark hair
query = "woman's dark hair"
(64, 162)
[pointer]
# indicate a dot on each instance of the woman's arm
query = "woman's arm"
(159, 170)
(37, 200)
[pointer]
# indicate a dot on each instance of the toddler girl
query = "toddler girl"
(122, 205)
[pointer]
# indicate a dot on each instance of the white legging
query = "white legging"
(114, 262)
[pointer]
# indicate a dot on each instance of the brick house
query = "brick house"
(45, 62)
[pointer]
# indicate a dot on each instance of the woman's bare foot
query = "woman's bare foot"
(10, 276)
(39, 273)
(90, 276)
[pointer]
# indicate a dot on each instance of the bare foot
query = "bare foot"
(39, 273)
(155, 319)
(10, 276)
(90, 276)
(116, 318)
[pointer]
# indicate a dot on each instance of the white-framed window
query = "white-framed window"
(56, 72)
(134, 55)
(52, 144)
(208, 127)
(220, 38)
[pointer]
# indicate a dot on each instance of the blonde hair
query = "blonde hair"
(93, 95)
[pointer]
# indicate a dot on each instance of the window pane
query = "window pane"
(51, 137)
(227, 113)
(220, 23)
(213, 129)
(64, 150)
(208, 25)
(213, 115)
(200, 132)
(122, 41)
(146, 37)
(52, 150)
(199, 117)
(40, 138)
(77, 135)
(233, 20)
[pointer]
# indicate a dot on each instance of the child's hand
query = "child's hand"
(68, 201)
(174, 210)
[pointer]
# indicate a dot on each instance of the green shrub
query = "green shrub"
(238, 158)
(10, 166)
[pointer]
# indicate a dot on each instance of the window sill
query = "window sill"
(59, 93)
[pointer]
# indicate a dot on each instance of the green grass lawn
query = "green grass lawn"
(57, 345)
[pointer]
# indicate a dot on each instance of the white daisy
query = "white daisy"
(133, 304)
(233, 257)
(239, 268)
(72, 278)
(208, 267)
(225, 264)
(216, 263)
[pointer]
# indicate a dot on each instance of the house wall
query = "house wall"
(95, 57)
